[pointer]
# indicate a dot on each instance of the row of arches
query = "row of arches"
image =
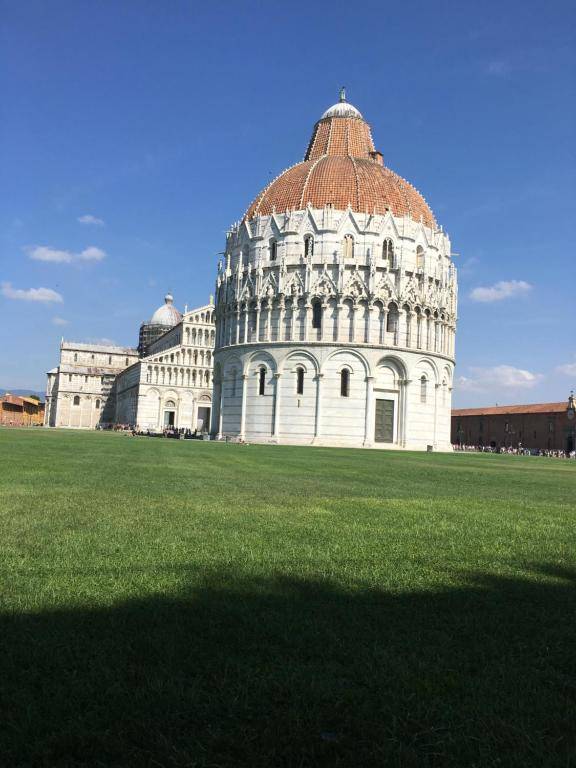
(421, 368)
(379, 323)
(344, 397)
(385, 252)
(203, 317)
(199, 357)
(194, 336)
(183, 377)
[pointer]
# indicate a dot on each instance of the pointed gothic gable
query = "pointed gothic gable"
(269, 286)
(324, 285)
(294, 284)
(385, 288)
(355, 285)
(411, 292)
(308, 223)
(388, 226)
(247, 290)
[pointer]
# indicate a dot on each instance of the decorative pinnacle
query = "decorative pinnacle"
(343, 94)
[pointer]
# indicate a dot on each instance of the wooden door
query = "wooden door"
(384, 425)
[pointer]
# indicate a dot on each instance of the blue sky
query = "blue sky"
(134, 133)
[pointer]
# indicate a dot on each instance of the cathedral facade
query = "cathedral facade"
(165, 383)
(336, 305)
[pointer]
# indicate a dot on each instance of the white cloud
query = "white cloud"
(91, 254)
(55, 255)
(569, 369)
(87, 218)
(31, 294)
(505, 289)
(44, 253)
(59, 321)
(497, 377)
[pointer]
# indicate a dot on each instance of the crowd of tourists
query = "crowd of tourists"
(516, 451)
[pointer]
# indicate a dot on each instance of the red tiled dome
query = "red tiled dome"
(341, 168)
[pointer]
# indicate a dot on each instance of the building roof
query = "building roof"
(505, 410)
(19, 400)
(110, 348)
(341, 168)
(167, 315)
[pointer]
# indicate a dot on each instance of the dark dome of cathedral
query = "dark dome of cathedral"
(341, 168)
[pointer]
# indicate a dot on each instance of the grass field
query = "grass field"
(178, 603)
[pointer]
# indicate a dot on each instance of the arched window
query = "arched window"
(348, 247)
(308, 245)
(423, 389)
(299, 380)
(344, 382)
(262, 381)
(388, 253)
(97, 403)
(109, 359)
(392, 320)
(126, 361)
(234, 379)
(75, 357)
(170, 404)
(419, 258)
(76, 400)
(245, 256)
(316, 315)
(273, 249)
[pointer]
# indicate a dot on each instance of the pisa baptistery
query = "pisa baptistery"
(336, 305)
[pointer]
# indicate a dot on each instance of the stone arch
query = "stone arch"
(393, 363)
(303, 354)
(364, 365)
(425, 364)
(260, 357)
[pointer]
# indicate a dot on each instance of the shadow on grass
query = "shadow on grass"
(287, 673)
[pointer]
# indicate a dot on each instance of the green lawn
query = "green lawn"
(168, 603)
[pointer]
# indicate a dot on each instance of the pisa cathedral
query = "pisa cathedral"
(336, 305)
(165, 382)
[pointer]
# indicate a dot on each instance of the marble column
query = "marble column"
(339, 308)
(281, 309)
(269, 324)
(276, 419)
(318, 413)
(369, 423)
(257, 330)
(307, 308)
(403, 432)
(243, 406)
(246, 321)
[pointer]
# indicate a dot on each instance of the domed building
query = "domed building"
(336, 305)
(165, 317)
(164, 384)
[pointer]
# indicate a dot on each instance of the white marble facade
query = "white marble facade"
(99, 385)
(386, 314)
(335, 327)
(172, 384)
